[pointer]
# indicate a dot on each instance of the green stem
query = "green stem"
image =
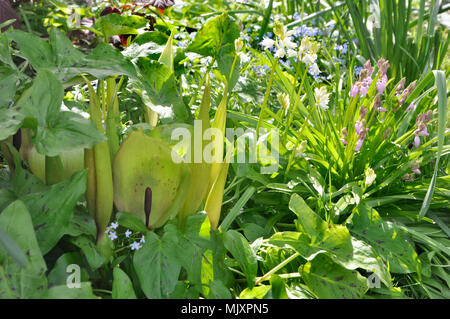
(266, 98)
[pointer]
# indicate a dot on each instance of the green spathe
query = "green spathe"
(143, 161)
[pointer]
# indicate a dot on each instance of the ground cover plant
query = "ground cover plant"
(213, 149)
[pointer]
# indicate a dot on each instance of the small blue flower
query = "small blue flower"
(182, 44)
(128, 233)
(142, 239)
(112, 235)
(192, 35)
(114, 225)
(135, 246)
(296, 16)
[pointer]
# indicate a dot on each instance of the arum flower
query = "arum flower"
(128, 233)
(322, 97)
(135, 246)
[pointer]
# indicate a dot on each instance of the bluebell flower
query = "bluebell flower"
(182, 44)
(358, 70)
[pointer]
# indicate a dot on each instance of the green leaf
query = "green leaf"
(63, 51)
(64, 292)
(55, 131)
(59, 275)
(52, 209)
(10, 121)
(162, 89)
(441, 87)
(217, 290)
(159, 256)
(330, 281)
(131, 221)
(5, 51)
(258, 292)
(213, 35)
(122, 285)
(13, 249)
(33, 48)
(82, 224)
(239, 247)
(17, 281)
(115, 24)
(386, 238)
(8, 86)
(67, 132)
(278, 289)
(93, 256)
(309, 221)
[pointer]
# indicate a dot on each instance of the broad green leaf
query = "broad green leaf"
(59, 275)
(8, 86)
(5, 51)
(278, 287)
(122, 285)
(6, 197)
(17, 281)
(217, 290)
(13, 250)
(82, 224)
(114, 24)
(33, 48)
(258, 292)
(55, 131)
(239, 247)
(159, 256)
(52, 209)
(63, 51)
(67, 132)
(93, 256)
(213, 35)
(309, 221)
(10, 121)
(330, 281)
(64, 292)
(131, 221)
(386, 238)
(161, 89)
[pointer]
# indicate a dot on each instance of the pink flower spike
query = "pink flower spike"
(357, 127)
(381, 84)
(411, 107)
(422, 131)
(359, 144)
(355, 89)
(417, 141)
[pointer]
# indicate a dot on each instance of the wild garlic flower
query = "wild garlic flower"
(370, 176)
